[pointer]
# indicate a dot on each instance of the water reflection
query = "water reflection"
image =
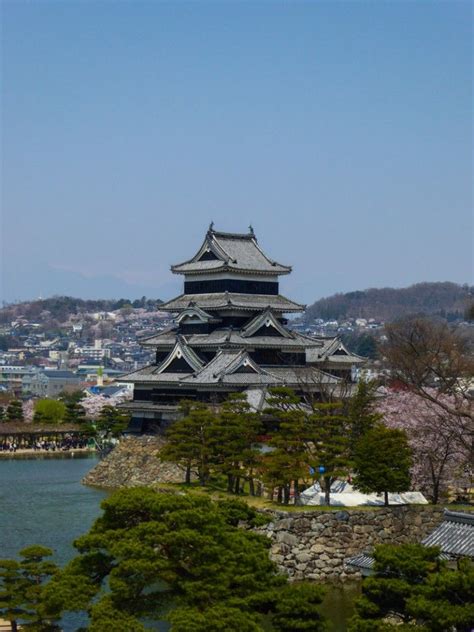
(338, 604)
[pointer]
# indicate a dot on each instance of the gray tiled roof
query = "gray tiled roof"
(455, 535)
(328, 348)
(195, 310)
(151, 374)
(265, 318)
(304, 376)
(227, 337)
(222, 369)
(189, 355)
(235, 251)
(222, 301)
(344, 359)
(60, 375)
(364, 561)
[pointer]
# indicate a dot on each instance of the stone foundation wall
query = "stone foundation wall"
(314, 544)
(134, 461)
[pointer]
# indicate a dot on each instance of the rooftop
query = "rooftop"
(455, 535)
(233, 301)
(238, 252)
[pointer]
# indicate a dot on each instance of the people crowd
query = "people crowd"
(58, 444)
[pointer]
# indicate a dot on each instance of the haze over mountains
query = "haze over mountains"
(444, 299)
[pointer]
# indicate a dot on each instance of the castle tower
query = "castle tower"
(231, 335)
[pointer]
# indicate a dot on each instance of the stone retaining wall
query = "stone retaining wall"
(134, 461)
(314, 544)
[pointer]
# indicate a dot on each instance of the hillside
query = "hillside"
(448, 300)
(61, 308)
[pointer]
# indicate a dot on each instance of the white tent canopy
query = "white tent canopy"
(343, 494)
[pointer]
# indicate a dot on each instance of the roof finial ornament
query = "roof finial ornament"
(251, 229)
(211, 227)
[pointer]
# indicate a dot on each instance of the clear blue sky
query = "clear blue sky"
(341, 130)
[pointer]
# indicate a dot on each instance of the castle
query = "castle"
(230, 335)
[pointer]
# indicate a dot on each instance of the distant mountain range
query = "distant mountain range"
(60, 308)
(447, 300)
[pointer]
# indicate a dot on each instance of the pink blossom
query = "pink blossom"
(441, 458)
(28, 410)
(93, 404)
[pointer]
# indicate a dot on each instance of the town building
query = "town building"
(50, 383)
(11, 377)
(230, 334)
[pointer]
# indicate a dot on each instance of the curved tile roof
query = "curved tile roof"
(455, 535)
(223, 369)
(222, 301)
(228, 337)
(233, 251)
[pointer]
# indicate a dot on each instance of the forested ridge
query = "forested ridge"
(60, 308)
(445, 299)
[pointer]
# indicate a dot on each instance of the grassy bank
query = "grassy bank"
(217, 492)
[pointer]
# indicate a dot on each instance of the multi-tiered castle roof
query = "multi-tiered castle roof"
(230, 334)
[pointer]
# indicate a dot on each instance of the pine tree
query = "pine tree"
(382, 462)
(413, 589)
(191, 441)
(14, 411)
(446, 599)
(236, 432)
(297, 608)
(287, 462)
(75, 413)
(361, 413)
(328, 444)
(183, 557)
(21, 586)
(112, 421)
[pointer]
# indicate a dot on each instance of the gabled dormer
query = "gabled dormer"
(181, 359)
(195, 320)
(265, 324)
(243, 364)
(195, 315)
(231, 367)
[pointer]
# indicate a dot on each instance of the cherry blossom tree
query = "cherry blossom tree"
(28, 410)
(442, 456)
(93, 404)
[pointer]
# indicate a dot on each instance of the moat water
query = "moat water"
(43, 502)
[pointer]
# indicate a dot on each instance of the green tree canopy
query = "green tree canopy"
(191, 441)
(74, 413)
(72, 396)
(328, 443)
(14, 411)
(411, 589)
(361, 413)
(382, 462)
(112, 421)
(21, 586)
(50, 411)
(236, 431)
(287, 461)
(180, 557)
